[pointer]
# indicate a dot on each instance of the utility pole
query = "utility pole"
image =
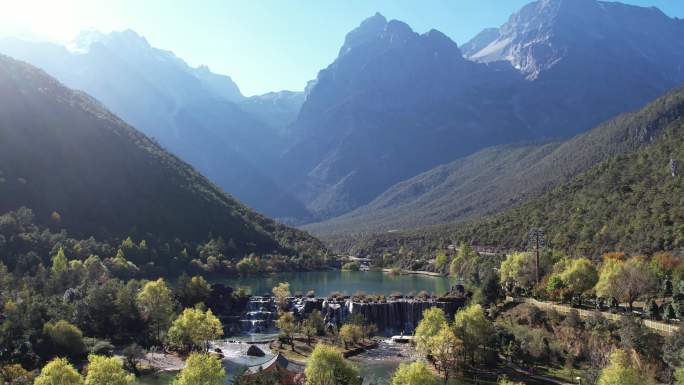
(536, 262)
(673, 166)
(535, 241)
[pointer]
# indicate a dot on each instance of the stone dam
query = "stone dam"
(395, 315)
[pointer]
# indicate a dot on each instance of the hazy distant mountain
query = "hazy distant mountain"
(63, 152)
(277, 109)
(134, 49)
(395, 103)
(220, 85)
(190, 111)
(497, 178)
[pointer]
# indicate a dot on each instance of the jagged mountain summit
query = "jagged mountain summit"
(193, 112)
(137, 51)
(276, 109)
(81, 168)
(396, 103)
(588, 60)
(583, 33)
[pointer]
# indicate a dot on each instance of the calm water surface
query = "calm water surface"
(349, 282)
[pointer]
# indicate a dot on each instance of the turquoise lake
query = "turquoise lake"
(348, 282)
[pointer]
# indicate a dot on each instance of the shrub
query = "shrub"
(65, 339)
(351, 266)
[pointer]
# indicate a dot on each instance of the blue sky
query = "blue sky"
(265, 45)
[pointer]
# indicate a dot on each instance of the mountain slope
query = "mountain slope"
(276, 109)
(395, 103)
(62, 152)
(221, 85)
(628, 203)
(190, 111)
(631, 202)
(497, 178)
(481, 40)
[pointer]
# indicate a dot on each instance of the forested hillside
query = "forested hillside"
(632, 202)
(80, 168)
(629, 203)
(194, 113)
(498, 178)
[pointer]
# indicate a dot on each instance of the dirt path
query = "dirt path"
(661, 327)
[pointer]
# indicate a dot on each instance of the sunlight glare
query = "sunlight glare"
(40, 19)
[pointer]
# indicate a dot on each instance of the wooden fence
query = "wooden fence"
(661, 327)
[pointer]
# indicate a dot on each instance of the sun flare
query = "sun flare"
(40, 19)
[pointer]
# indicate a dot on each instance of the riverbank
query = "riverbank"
(416, 272)
(162, 362)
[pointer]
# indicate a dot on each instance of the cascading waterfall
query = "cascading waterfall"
(391, 316)
(260, 315)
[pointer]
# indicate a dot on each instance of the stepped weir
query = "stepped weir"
(395, 315)
(260, 315)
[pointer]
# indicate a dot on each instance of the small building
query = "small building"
(289, 371)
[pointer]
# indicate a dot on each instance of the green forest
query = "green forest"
(633, 202)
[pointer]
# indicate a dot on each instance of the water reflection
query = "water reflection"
(349, 282)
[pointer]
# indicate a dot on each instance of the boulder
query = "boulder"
(254, 351)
